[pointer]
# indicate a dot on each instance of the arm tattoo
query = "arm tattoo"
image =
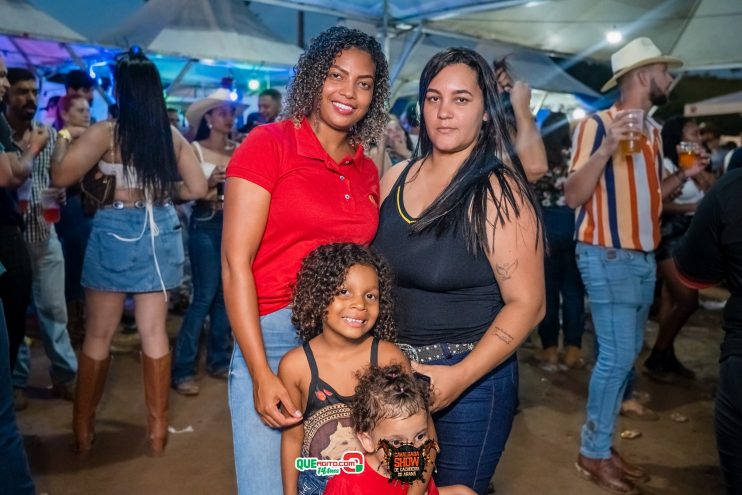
(505, 270)
(502, 335)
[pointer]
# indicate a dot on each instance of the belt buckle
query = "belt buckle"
(409, 351)
(117, 205)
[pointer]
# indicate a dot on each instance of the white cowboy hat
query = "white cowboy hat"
(637, 53)
(198, 108)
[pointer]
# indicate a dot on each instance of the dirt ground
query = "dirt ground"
(539, 458)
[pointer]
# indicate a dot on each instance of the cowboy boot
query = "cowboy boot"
(156, 396)
(91, 378)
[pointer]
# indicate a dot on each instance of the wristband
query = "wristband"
(65, 134)
(681, 175)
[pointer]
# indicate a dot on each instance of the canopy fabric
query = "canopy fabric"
(30, 37)
(20, 18)
(721, 105)
(215, 29)
(701, 32)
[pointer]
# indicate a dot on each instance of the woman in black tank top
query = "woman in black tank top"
(460, 228)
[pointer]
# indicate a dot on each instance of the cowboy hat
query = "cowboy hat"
(198, 108)
(637, 53)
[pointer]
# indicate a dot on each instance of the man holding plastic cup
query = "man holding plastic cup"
(43, 245)
(616, 186)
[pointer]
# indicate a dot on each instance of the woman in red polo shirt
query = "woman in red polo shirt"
(292, 186)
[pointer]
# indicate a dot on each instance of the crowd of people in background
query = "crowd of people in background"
(324, 230)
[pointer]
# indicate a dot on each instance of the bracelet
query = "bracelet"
(681, 175)
(65, 134)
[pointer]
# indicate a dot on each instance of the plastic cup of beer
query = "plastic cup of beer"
(635, 124)
(50, 205)
(687, 154)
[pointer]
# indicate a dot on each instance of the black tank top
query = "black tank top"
(327, 428)
(443, 293)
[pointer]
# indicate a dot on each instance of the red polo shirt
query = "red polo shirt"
(314, 201)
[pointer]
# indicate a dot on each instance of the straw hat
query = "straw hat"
(198, 108)
(637, 53)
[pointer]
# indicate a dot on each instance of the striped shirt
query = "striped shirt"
(624, 210)
(37, 229)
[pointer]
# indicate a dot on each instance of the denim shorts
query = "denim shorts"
(125, 255)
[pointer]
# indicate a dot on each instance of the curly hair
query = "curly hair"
(386, 392)
(311, 70)
(322, 274)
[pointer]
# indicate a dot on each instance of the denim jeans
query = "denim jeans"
(73, 230)
(472, 431)
(728, 422)
(562, 279)
(51, 310)
(205, 246)
(620, 287)
(257, 447)
(15, 477)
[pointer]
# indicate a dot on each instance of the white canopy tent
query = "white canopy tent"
(721, 105)
(684, 28)
(208, 30)
(32, 38)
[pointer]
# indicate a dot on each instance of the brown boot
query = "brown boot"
(91, 378)
(631, 471)
(156, 396)
(605, 474)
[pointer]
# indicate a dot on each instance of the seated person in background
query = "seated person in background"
(390, 409)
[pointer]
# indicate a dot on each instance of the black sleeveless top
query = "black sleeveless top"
(443, 293)
(327, 427)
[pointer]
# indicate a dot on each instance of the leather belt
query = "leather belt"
(120, 205)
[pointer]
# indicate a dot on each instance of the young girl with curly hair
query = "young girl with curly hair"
(292, 186)
(342, 308)
(390, 408)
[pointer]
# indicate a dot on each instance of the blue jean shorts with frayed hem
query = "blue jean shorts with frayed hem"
(130, 252)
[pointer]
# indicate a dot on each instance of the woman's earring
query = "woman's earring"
(209, 125)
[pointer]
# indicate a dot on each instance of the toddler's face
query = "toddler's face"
(412, 429)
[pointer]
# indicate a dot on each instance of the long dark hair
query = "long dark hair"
(143, 130)
(311, 71)
(463, 204)
(672, 135)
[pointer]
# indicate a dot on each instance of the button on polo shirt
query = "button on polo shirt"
(314, 200)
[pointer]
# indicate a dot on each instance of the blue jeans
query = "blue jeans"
(257, 447)
(15, 477)
(51, 309)
(472, 431)
(620, 286)
(562, 279)
(205, 246)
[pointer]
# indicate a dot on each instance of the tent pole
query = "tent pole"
(385, 30)
(29, 64)
(300, 29)
(179, 77)
(76, 58)
(540, 103)
(410, 45)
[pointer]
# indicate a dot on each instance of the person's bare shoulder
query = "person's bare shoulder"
(390, 177)
(389, 353)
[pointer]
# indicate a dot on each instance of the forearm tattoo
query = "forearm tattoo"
(505, 270)
(503, 335)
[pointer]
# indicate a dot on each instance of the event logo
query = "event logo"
(350, 463)
(405, 462)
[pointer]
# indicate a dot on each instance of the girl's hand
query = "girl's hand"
(446, 383)
(268, 392)
(219, 174)
(520, 97)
